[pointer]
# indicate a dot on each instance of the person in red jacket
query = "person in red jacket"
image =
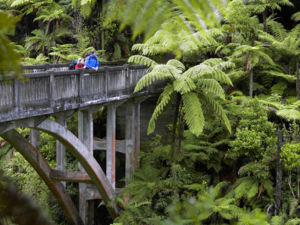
(80, 64)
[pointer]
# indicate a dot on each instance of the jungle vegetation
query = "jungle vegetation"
(231, 73)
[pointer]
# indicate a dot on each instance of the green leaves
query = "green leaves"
(198, 84)
(9, 58)
(139, 59)
(290, 154)
(193, 114)
(149, 16)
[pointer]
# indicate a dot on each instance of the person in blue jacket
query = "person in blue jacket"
(91, 62)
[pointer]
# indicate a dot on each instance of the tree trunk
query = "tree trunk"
(297, 81)
(180, 134)
(278, 173)
(176, 113)
(265, 20)
(251, 83)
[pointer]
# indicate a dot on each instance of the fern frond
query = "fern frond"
(205, 71)
(276, 29)
(289, 114)
(139, 59)
(246, 187)
(278, 88)
(151, 77)
(193, 114)
(275, 105)
(184, 85)
(217, 109)
(212, 86)
(163, 101)
(285, 76)
(177, 64)
(296, 16)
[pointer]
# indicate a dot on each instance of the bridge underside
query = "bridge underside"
(82, 148)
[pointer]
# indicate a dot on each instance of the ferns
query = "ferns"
(212, 86)
(149, 16)
(193, 114)
(202, 78)
(139, 59)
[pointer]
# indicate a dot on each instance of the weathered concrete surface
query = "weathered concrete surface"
(33, 156)
(100, 144)
(86, 159)
(45, 93)
(111, 144)
(60, 148)
(70, 176)
(85, 134)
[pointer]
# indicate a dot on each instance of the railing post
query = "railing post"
(80, 75)
(106, 81)
(16, 92)
(52, 88)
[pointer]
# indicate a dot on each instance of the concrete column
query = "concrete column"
(132, 137)
(129, 140)
(60, 148)
(35, 138)
(85, 134)
(137, 124)
(111, 144)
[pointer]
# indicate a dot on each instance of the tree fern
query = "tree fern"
(193, 114)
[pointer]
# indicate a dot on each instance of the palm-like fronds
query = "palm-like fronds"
(149, 16)
(139, 59)
(193, 114)
(201, 80)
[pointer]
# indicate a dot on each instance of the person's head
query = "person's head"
(93, 52)
(80, 61)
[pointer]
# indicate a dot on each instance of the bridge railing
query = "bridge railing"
(61, 66)
(53, 91)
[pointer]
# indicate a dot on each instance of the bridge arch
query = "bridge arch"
(33, 156)
(77, 148)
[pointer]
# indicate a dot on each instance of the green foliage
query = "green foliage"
(9, 58)
(196, 86)
(290, 155)
(255, 135)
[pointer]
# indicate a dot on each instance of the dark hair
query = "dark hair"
(93, 51)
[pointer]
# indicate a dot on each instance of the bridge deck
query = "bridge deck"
(47, 92)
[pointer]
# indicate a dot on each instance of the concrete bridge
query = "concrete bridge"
(49, 95)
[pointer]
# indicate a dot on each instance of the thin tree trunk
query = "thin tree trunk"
(265, 20)
(251, 83)
(297, 81)
(180, 133)
(278, 173)
(176, 113)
